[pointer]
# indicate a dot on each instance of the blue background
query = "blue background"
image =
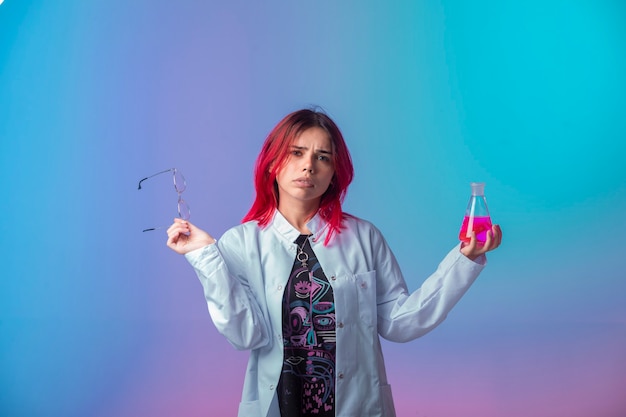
(100, 319)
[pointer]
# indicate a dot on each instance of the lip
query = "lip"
(304, 182)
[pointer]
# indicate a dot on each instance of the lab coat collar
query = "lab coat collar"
(316, 225)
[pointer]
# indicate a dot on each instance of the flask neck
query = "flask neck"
(477, 206)
(478, 188)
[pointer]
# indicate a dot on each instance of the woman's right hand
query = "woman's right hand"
(183, 237)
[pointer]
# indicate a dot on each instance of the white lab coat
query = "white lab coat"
(244, 275)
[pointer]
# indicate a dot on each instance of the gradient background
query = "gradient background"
(100, 319)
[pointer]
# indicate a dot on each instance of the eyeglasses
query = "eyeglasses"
(179, 185)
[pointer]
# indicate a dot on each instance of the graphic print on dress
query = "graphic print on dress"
(308, 378)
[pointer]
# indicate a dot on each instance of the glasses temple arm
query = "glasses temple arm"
(154, 175)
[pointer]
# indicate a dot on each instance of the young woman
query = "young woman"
(309, 289)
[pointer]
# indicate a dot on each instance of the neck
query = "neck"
(298, 217)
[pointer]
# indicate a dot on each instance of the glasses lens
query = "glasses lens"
(183, 209)
(179, 182)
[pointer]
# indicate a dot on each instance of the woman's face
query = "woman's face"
(308, 170)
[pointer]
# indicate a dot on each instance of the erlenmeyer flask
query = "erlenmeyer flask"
(476, 215)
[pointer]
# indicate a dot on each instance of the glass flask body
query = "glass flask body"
(477, 217)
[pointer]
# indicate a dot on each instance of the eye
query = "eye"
(323, 158)
(296, 152)
(324, 322)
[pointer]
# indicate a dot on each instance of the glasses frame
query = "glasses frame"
(183, 207)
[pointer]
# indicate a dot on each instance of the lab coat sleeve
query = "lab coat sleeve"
(232, 306)
(402, 316)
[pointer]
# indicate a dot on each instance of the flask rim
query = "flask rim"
(478, 188)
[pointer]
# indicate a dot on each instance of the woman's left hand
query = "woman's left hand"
(474, 249)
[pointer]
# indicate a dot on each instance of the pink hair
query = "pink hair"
(274, 154)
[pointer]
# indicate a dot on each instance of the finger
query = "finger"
(180, 225)
(498, 233)
(471, 246)
(177, 223)
(176, 230)
(186, 226)
(172, 240)
(177, 242)
(489, 241)
(192, 227)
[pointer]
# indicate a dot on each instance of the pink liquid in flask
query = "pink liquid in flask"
(480, 226)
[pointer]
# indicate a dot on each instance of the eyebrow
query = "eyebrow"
(305, 148)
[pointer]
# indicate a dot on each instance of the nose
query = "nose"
(308, 164)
